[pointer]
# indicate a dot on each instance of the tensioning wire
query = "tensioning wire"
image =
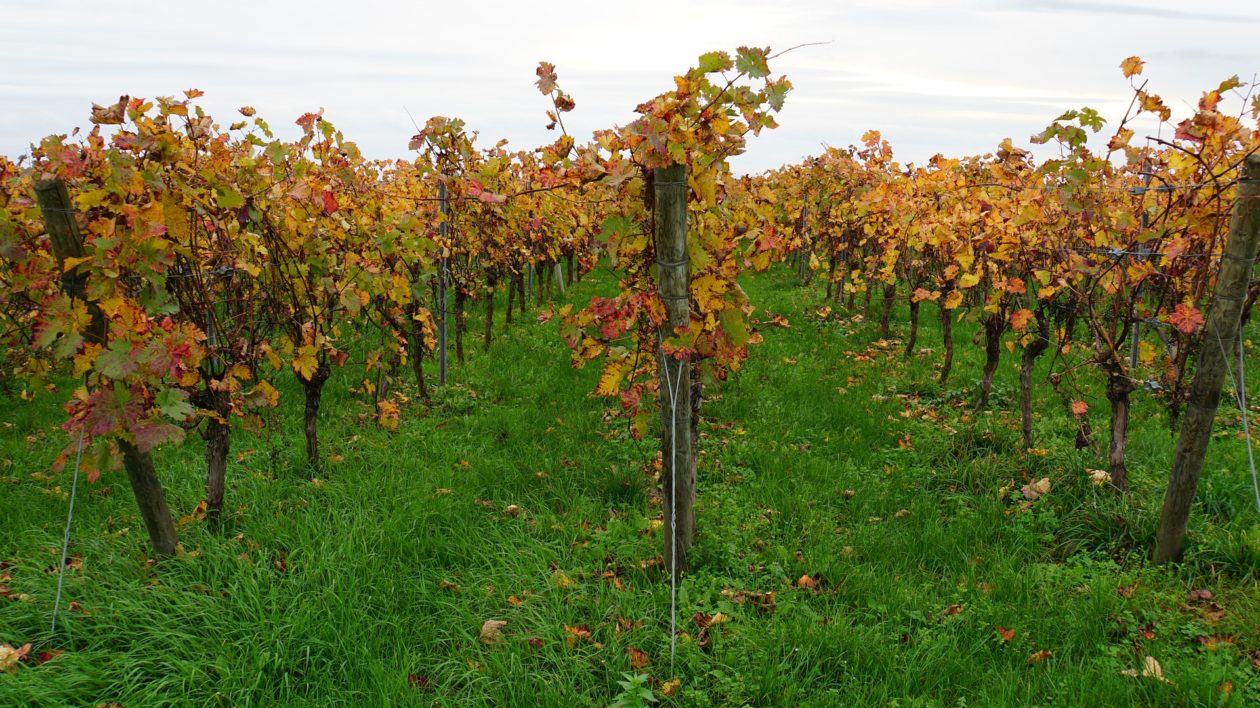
(1240, 396)
(65, 541)
(672, 391)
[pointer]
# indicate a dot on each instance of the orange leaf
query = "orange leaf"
(638, 657)
(1186, 318)
(1039, 657)
(1131, 66)
(1020, 319)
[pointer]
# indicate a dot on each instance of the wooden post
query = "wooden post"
(442, 283)
(678, 459)
(1219, 338)
(63, 232)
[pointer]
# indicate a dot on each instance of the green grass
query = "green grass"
(341, 591)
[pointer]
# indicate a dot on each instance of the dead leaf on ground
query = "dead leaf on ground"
(10, 656)
(1035, 490)
(492, 632)
(638, 657)
(1039, 657)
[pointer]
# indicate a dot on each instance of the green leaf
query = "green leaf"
(752, 61)
(776, 92)
(228, 198)
(174, 404)
(735, 327)
(116, 362)
(714, 61)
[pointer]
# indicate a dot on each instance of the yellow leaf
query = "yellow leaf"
(614, 373)
(969, 280)
(1131, 66)
(306, 363)
(562, 581)
(954, 299)
(72, 263)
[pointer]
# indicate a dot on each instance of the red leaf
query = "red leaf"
(1186, 318)
(330, 202)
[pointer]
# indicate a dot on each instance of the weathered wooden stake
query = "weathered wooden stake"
(63, 232)
(442, 285)
(1219, 338)
(678, 459)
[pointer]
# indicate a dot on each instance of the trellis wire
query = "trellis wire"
(65, 541)
(1240, 394)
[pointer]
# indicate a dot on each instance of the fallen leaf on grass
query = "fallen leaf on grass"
(952, 610)
(1216, 641)
(1039, 657)
(1035, 490)
(806, 581)
(1150, 669)
(418, 681)
(638, 657)
(579, 633)
(669, 688)
(562, 581)
(9, 656)
(448, 585)
(492, 632)
(1100, 478)
(1007, 635)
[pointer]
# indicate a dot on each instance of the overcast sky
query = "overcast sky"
(933, 76)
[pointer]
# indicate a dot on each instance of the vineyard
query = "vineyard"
(605, 422)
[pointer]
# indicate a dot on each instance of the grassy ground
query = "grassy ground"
(371, 582)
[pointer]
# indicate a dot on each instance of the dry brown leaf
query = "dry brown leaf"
(10, 656)
(1035, 490)
(492, 632)
(638, 657)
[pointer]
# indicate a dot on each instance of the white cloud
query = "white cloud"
(934, 77)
